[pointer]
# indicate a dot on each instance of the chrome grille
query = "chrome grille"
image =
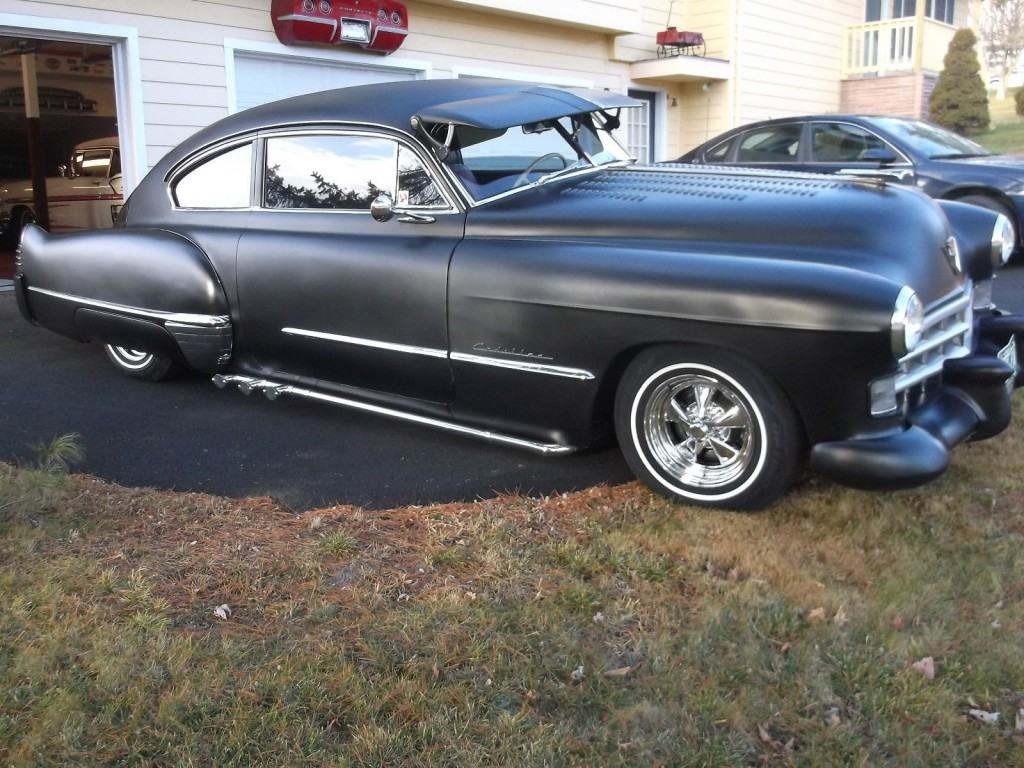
(947, 334)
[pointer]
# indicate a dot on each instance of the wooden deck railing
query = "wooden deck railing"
(881, 47)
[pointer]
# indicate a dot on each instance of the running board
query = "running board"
(273, 390)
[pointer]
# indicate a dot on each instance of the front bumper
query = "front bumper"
(973, 404)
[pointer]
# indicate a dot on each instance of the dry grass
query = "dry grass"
(607, 627)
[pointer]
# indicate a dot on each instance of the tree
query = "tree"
(960, 100)
(1003, 33)
(1019, 98)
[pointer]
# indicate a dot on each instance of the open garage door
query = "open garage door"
(262, 78)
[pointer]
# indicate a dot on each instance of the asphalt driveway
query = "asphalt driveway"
(188, 435)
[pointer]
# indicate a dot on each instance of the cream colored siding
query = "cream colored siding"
(790, 56)
(182, 53)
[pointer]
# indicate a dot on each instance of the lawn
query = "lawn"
(1005, 138)
(607, 627)
(1007, 132)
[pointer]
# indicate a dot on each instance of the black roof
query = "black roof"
(393, 105)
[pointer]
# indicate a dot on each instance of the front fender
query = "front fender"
(147, 289)
(973, 226)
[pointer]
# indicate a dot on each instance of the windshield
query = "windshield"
(490, 162)
(90, 162)
(931, 140)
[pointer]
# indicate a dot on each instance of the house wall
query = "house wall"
(788, 57)
(185, 79)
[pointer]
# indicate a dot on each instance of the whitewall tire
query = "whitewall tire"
(704, 427)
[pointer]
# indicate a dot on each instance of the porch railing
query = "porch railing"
(881, 47)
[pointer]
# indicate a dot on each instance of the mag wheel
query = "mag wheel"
(703, 427)
(137, 364)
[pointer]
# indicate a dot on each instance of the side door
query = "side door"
(777, 146)
(329, 293)
(841, 147)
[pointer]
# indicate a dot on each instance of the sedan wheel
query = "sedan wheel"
(147, 366)
(706, 428)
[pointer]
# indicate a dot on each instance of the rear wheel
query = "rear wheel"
(704, 427)
(147, 366)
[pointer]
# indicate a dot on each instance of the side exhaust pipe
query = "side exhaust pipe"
(273, 390)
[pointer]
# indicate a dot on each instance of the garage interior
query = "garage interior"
(75, 86)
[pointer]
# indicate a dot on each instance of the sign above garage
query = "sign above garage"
(380, 26)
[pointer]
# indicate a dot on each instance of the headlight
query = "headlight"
(1004, 239)
(907, 322)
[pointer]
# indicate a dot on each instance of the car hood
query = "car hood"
(1011, 164)
(885, 230)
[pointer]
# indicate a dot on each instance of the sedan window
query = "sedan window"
(719, 153)
(843, 142)
(223, 181)
(416, 188)
(929, 139)
(334, 172)
(776, 144)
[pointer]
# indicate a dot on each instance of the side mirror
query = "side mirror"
(383, 208)
(879, 155)
(62, 170)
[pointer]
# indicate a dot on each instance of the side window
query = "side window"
(776, 144)
(842, 142)
(223, 181)
(718, 153)
(331, 172)
(115, 163)
(416, 189)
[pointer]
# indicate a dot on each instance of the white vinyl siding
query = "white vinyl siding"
(260, 78)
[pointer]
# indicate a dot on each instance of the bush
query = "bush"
(960, 101)
(1019, 99)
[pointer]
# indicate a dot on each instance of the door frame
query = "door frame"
(124, 43)
(343, 59)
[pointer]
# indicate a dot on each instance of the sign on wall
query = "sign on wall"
(375, 25)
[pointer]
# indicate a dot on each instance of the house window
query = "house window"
(640, 127)
(940, 10)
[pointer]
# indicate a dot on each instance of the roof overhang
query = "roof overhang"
(681, 69)
(533, 104)
(612, 17)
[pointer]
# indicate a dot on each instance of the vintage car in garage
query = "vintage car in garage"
(482, 257)
(87, 194)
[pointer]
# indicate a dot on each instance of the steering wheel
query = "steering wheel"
(525, 175)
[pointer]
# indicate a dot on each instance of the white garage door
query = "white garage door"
(263, 78)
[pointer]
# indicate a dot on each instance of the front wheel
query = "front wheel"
(704, 427)
(147, 366)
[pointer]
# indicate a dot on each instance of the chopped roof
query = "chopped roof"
(475, 101)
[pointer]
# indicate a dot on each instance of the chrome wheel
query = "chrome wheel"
(699, 430)
(131, 359)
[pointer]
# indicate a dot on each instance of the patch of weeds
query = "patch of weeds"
(338, 543)
(60, 454)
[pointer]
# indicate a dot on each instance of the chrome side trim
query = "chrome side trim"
(519, 365)
(273, 390)
(461, 357)
(388, 345)
(183, 318)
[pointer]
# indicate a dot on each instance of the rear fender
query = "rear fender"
(145, 289)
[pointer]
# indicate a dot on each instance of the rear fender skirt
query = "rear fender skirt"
(145, 289)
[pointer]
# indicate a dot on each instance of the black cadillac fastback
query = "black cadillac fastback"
(483, 257)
